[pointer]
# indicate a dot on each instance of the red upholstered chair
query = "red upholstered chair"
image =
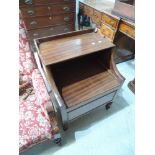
(37, 121)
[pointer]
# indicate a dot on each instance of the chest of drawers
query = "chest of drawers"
(48, 17)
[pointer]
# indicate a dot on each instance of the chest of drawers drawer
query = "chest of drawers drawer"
(37, 33)
(88, 11)
(110, 21)
(107, 32)
(47, 10)
(41, 2)
(62, 8)
(97, 17)
(36, 11)
(127, 29)
(38, 22)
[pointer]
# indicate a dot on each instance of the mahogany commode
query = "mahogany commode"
(79, 72)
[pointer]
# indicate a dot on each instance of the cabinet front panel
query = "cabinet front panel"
(127, 29)
(90, 106)
(107, 32)
(112, 22)
(32, 23)
(50, 31)
(97, 17)
(66, 18)
(39, 22)
(23, 3)
(62, 8)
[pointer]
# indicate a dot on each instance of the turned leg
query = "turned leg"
(65, 126)
(108, 105)
(57, 141)
(64, 118)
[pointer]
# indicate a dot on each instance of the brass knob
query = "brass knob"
(66, 29)
(66, 8)
(51, 29)
(111, 22)
(33, 23)
(30, 12)
(66, 19)
(28, 1)
(126, 31)
(35, 34)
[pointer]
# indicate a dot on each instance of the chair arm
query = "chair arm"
(43, 99)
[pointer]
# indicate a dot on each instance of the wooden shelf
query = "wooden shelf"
(71, 45)
(83, 79)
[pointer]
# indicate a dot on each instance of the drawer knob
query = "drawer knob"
(66, 19)
(33, 23)
(28, 1)
(66, 29)
(66, 8)
(126, 31)
(51, 29)
(30, 12)
(35, 34)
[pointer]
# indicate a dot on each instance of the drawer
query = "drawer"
(127, 29)
(67, 18)
(97, 17)
(112, 22)
(58, 1)
(90, 106)
(39, 22)
(88, 11)
(62, 8)
(50, 31)
(41, 2)
(35, 11)
(107, 32)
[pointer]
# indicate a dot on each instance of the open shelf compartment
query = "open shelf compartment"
(84, 79)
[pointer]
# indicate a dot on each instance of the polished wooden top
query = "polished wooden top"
(75, 44)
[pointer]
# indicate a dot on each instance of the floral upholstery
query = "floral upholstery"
(34, 122)
(26, 60)
(43, 99)
(33, 125)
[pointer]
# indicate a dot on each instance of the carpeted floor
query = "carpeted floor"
(100, 132)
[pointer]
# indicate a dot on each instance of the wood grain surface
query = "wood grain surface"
(79, 81)
(68, 47)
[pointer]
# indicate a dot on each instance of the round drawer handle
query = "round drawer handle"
(66, 19)
(35, 34)
(66, 29)
(51, 29)
(28, 1)
(66, 8)
(33, 23)
(30, 12)
(126, 31)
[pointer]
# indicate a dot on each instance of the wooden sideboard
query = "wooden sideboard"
(80, 72)
(109, 25)
(48, 17)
